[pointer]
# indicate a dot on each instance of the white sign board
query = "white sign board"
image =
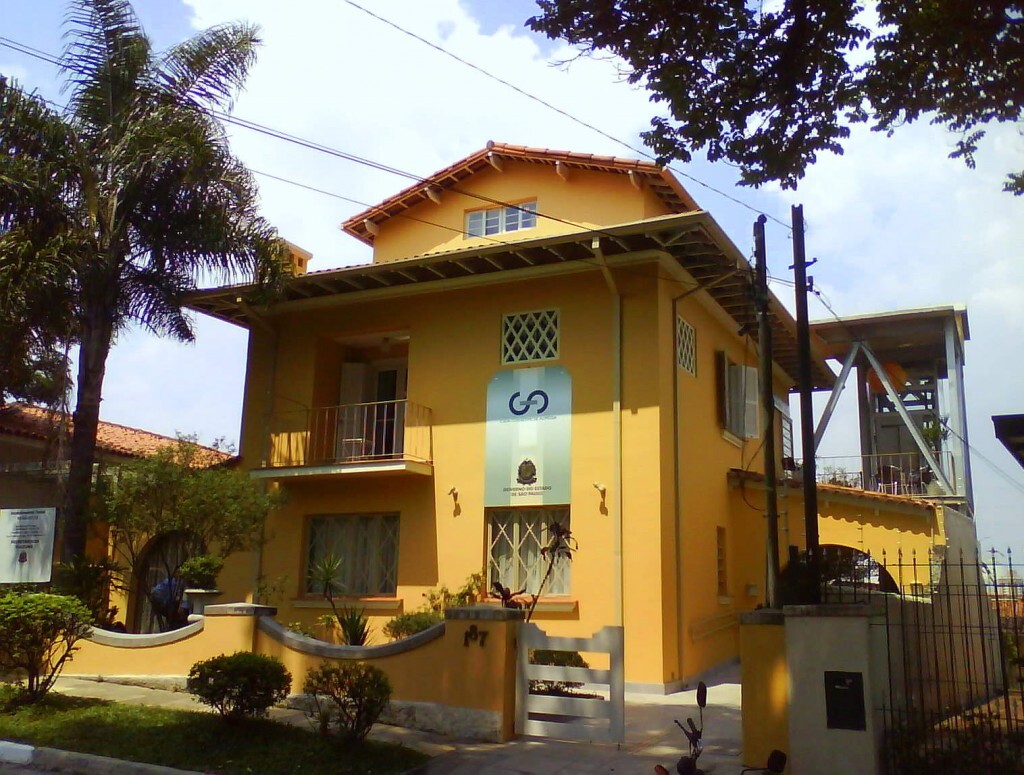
(529, 434)
(26, 545)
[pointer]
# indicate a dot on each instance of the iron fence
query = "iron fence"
(952, 631)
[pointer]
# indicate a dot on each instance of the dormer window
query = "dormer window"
(498, 220)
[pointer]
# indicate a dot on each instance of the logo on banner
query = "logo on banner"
(527, 473)
(520, 406)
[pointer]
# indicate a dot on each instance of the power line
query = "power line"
(560, 111)
(321, 148)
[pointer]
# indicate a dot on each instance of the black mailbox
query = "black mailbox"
(844, 700)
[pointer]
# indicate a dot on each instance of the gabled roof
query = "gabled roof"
(38, 423)
(658, 179)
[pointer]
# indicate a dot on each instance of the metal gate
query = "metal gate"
(594, 712)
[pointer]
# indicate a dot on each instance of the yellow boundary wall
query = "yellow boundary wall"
(457, 678)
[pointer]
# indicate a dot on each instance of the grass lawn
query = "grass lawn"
(194, 741)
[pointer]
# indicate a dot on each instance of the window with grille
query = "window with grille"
(529, 336)
(366, 545)
(737, 398)
(516, 537)
(686, 346)
(723, 577)
(498, 220)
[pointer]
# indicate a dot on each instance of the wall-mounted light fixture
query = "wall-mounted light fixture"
(454, 492)
(600, 488)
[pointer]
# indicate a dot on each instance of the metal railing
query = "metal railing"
(906, 473)
(330, 435)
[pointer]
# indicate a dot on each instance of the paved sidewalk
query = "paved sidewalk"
(651, 736)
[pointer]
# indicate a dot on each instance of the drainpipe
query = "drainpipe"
(595, 247)
(275, 337)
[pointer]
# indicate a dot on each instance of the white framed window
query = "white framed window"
(498, 220)
(686, 346)
(737, 398)
(782, 405)
(516, 537)
(530, 336)
(366, 544)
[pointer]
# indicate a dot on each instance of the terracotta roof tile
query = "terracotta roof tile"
(659, 179)
(35, 422)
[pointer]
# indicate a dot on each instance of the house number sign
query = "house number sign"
(474, 635)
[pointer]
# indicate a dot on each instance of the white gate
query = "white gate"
(593, 719)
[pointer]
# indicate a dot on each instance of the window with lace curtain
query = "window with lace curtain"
(366, 544)
(516, 537)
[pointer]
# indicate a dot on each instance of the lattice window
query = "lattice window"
(516, 538)
(686, 346)
(529, 336)
(366, 544)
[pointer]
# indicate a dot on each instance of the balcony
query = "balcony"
(381, 437)
(906, 474)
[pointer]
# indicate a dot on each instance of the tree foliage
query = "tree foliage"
(113, 208)
(769, 86)
(212, 511)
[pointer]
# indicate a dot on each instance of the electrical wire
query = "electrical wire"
(319, 147)
(561, 112)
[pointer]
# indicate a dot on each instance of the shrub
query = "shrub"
(201, 571)
(354, 626)
(301, 628)
(242, 684)
(90, 581)
(558, 659)
(404, 625)
(38, 632)
(350, 696)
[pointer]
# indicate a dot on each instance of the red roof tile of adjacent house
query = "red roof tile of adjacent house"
(658, 179)
(35, 422)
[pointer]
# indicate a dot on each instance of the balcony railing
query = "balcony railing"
(895, 474)
(351, 433)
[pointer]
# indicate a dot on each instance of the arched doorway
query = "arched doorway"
(157, 600)
(846, 574)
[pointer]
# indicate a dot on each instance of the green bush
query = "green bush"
(350, 697)
(38, 632)
(91, 582)
(201, 571)
(558, 659)
(404, 625)
(242, 684)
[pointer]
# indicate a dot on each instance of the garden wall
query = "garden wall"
(456, 678)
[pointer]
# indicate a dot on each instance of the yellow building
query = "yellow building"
(541, 337)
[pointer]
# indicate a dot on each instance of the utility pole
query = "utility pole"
(803, 344)
(764, 339)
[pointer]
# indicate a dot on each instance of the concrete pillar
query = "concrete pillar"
(835, 657)
(765, 685)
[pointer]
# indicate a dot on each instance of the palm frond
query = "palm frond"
(210, 67)
(106, 60)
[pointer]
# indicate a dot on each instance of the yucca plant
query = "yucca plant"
(354, 626)
(125, 198)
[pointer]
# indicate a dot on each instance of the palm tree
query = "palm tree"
(129, 195)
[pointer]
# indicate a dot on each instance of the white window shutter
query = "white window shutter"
(751, 428)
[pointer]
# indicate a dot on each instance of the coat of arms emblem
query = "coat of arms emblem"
(527, 473)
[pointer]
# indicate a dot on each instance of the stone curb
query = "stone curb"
(70, 761)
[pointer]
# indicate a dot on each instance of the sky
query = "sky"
(894, 223)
